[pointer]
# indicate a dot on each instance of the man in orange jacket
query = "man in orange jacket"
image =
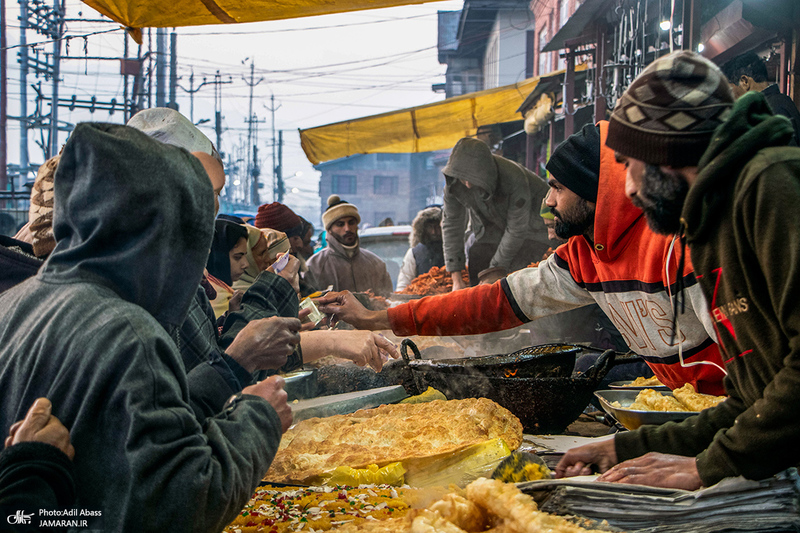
(612, 258)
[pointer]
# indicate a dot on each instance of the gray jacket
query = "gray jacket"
(503, 204)
(94, 332)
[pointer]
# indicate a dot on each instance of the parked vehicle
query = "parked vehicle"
(390, 243)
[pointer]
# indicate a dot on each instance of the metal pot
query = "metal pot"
(544, 403)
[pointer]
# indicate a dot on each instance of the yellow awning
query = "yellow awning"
(416, 129)
(160, 14)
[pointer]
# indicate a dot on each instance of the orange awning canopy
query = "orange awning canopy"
(137, 14)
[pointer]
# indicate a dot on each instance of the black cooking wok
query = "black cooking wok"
(536, 361)
(545, 403)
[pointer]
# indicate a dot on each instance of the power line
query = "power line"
(65, 37)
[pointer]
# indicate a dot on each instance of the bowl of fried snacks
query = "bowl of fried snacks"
(634, 408)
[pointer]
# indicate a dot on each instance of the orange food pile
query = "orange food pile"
(436, 281)
(287, 509)
(376, 303)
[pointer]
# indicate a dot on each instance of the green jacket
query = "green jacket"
(743, 228)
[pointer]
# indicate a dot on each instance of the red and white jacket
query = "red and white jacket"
(624, 271)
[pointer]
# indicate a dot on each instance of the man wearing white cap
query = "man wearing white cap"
(343, 264)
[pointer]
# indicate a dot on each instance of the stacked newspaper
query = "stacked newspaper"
(734, 504)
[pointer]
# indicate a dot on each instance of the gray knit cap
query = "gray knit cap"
(669, 113)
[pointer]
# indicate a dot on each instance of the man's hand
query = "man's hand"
(458, 281)
(265, 344)
(363, 347)
(291, 272)
(578, 461)
(39, 425)
(235, 303)
(344, 306)
(271, 389)
(657, 470)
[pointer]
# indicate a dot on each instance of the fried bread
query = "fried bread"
(416, 434)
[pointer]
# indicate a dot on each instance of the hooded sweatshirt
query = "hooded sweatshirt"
(741, 222)
(94, 331)
(350, 268)
(423, 253)
(623, 271)
(502, 206)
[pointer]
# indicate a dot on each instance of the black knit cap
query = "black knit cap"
(669, 113)
(575, 163)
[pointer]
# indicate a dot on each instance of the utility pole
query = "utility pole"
(161, 67)
(253, 171)
(3, 98)
(23, 88)
(173, 70)
(279, 168)
(275, 175)
(58, 24)
(192, 89)
(218, 109)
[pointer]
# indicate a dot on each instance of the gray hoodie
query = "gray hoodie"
(502, 205)
(93, 332)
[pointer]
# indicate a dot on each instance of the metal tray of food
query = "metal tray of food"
(631, 418)
(626, 385)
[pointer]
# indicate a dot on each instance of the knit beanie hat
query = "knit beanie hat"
(170, 127)
(40, 214)
(338, 208)
(575, 163)
(277, 242)
(280, 217)
(669, 113)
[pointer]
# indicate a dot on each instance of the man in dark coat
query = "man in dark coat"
(95, 332)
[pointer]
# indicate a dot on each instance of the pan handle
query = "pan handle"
(404, 350)
(601, 367)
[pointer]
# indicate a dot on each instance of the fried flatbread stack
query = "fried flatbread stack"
(696, 401)
(682, 400)
(416, 434)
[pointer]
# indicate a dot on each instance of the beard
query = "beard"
(661, 198)
(348, 239)
(577, 220)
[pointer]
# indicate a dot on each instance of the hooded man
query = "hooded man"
(425, 246)
(263, 339)
(343, 263)
(611, 258)
(721, 176)
(500, 199)
(95, 332)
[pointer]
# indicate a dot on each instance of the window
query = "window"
(385, 185)
(343, 184)
(543, 57)
(564, 13)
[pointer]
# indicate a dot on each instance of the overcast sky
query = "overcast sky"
(320, 69)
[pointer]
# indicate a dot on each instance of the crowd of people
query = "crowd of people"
(143, 334)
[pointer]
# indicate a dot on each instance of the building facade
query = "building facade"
(384, 186)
